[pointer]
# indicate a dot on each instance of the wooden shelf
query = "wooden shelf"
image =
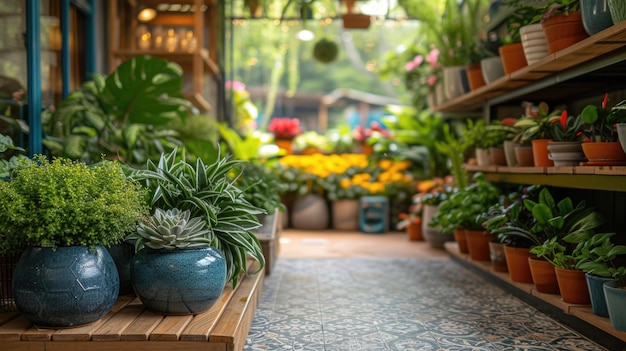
(609, 178)
(583, 312)
(129, 326)
(593, 53)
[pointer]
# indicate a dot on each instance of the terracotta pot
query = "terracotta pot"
(498, 259)
(563, 31)
(544, 276)
(475, 76)
(414, 230)
(573, 286)
(540, 153)
(345, 214)
(460, 236)
(517, 261)
(285, 144)
(524, 155)
(478, 244)
(604, 153)
(512, 56)
(498, 157)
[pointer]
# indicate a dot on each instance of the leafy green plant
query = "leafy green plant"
(209, 192)
(553, 220)
(463, 209)
(524, 14)
(511, 212)
(122, 115)
(454, 147)
(261, 187)
(169, 230)
(600, 121)
(8, 165)
(597, 256)
(568, 128)
(537, 124)
(67, 203)
(483, 136)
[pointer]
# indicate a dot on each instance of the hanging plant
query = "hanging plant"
(325, 50)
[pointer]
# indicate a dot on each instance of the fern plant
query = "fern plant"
(171, 229)
(208, 192)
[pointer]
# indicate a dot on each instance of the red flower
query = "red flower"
(606, 99)
(285, 128)
(564, 119)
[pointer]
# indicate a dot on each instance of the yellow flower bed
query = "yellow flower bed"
(353, 171)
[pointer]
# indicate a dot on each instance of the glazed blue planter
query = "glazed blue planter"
(178, 282)
(596, 15)
(66, 287)
(596, 292)
(616, 304)
(122, 254)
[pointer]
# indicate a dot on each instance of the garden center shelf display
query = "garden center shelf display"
(584, 70)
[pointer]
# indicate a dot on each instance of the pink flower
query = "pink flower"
(416, 62)
(235, 85)
(433, 57)
(432, 79)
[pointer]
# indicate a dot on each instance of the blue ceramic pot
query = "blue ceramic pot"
(122, 254)
(178, 282)
(617, 8)
(596, 15)
(66, 287)
(596, 292)
(616, 304)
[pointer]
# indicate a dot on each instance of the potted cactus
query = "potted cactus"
(175, 270)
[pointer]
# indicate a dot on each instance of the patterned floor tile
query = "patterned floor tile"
(397, 305)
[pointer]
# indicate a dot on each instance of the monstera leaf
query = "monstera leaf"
(145, 90)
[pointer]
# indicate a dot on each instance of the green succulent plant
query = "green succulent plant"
(171, 229)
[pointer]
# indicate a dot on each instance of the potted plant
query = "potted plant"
(325, 50)
(344, 189)
(284, 129)
(598, 257)
(63, 214)
(463, 209)
(513, 52)
(602, 147)
(562, 24)
(175, 270)
(209, 192)
(537, 127)
(431, 193)
(567, 134)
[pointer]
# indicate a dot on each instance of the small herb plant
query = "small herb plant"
(208, 191)
(67, 203)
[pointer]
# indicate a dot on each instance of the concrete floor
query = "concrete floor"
(340, 244)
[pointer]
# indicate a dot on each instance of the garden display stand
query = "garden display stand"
(129, 326)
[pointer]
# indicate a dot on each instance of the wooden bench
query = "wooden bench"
(129, 326)
(269, 237)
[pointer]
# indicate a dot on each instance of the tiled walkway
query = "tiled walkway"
(380, 304)
(397, 304)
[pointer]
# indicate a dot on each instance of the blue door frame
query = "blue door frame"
(33, 49)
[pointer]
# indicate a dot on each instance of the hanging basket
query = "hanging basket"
(325, 50)
(356, 21)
